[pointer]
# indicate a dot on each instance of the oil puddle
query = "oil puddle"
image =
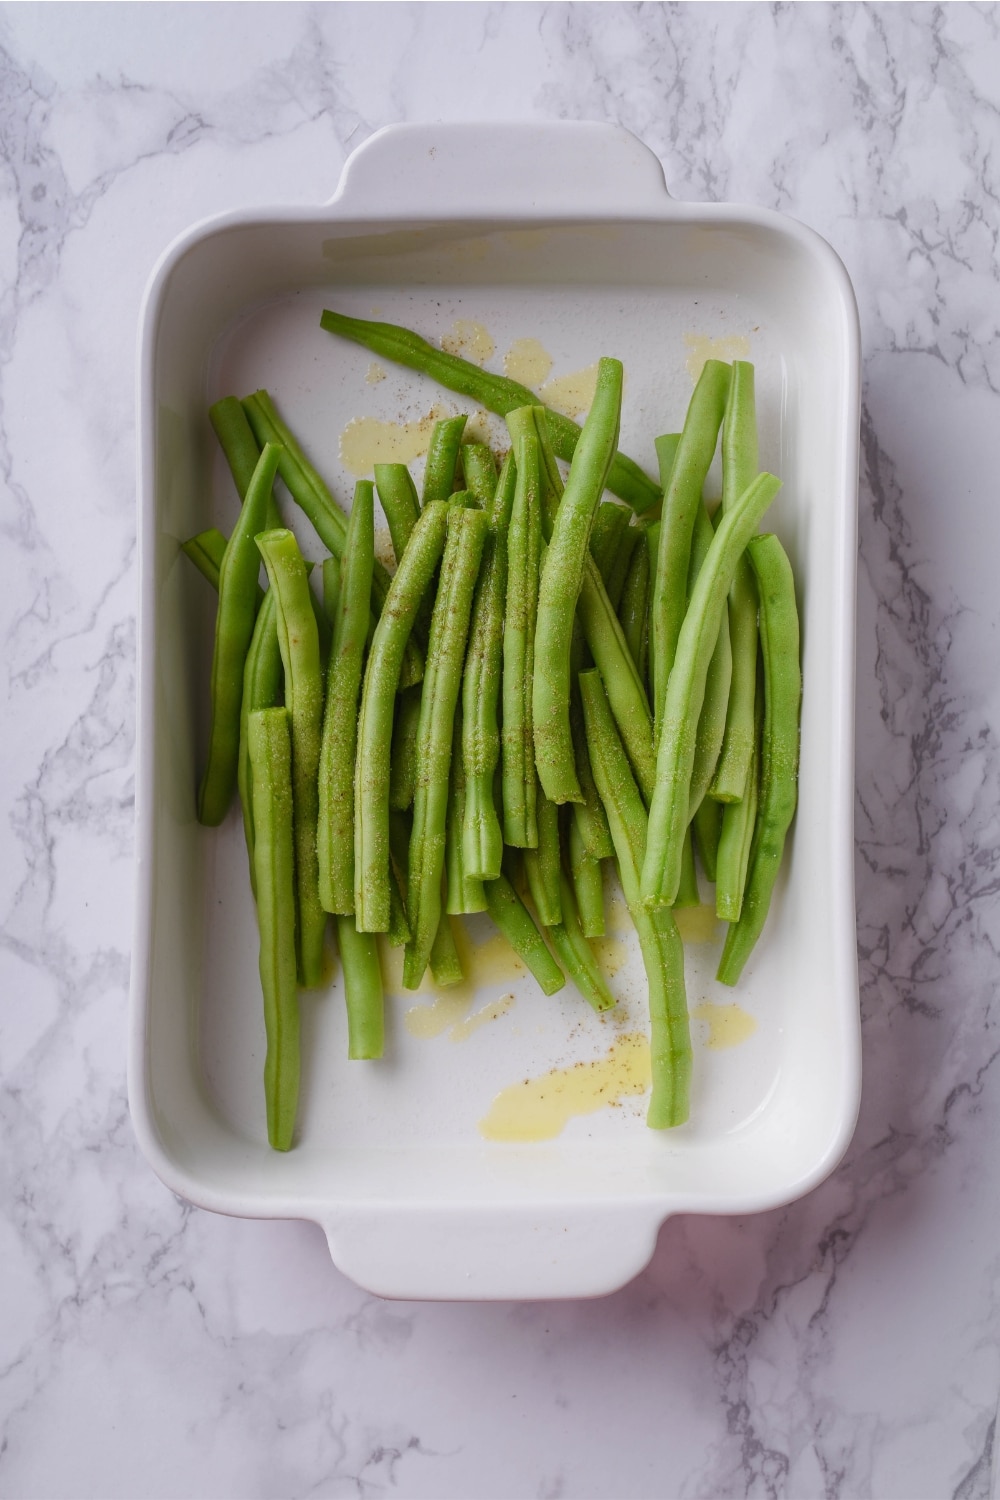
(491, 1011)
(527, 362)
(701, 347)
(469, 340)
(447, 1009)
(728, 1025)
(612, 953)
(538, 1109)
(697, 924)
(571, 394)
(491, 962)
(367, 441)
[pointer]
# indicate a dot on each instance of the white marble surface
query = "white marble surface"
(846, 1346)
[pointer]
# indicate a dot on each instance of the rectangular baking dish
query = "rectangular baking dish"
(564, 233)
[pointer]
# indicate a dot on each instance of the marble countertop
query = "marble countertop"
(845, 1346)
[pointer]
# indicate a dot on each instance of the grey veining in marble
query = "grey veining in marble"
(845, 1346)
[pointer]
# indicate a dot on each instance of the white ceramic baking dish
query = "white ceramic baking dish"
(564, 233)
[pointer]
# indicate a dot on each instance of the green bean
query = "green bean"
(688, 893)
(398, 497)
(659, 940)
(311, 494)
(739, 466)
(324, 632)
(442, 680)
(482, 837)
(681, 498)
(606, 641)
(736, 834)
(330, 571)
(666, 456)
(444, 958)
(524, 540)
(610, 523)
(552, 480)
(620, 563)
(234, 623)
(445, 962)
(588, 883)
(653, 549)
(589, 815)
(497, 393)
(712, 719)
(510, 914)
(670, 810)
(442, 458)
(335, 828)
(480, 471)
(306, 487)
(400, 824)
(542, 865)
(411, 668)
(739, 435)
(625, 690)
(363, 993)
(463, 890)
(398, 933)
(779, 756)
(298, 641)
(274, 863)
(575, 953)
(206, 551)
(560, 587)
(464, 499)
(371, 781)
(707, 826)
(399, 863)
(241, 450)
(528, 422)
(262, 676)
(403, 761)
(262, 687)
(633, 611)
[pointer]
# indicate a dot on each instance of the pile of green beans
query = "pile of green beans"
(549, 684)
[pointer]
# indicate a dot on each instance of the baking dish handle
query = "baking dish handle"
(489, 1253)
(556, 169)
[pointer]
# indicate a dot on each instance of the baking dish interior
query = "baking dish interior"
(237, 308)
